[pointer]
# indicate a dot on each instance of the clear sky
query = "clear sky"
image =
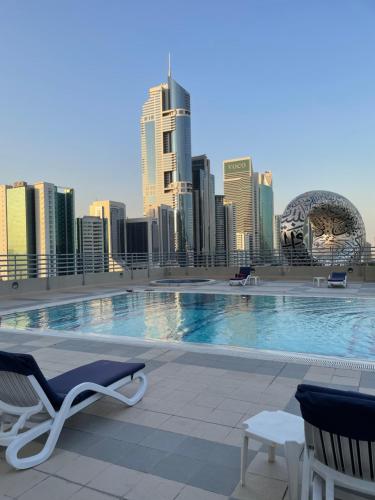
(289, 82)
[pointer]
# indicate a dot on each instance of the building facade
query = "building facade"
(38, 219)
(203, 205)
(92, 245)
(225, 234)
(166, 157)
(263, 215)
(18, 235)
(276, 234)
(239, 190)
(114, 212)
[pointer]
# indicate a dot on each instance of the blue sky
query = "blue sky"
(289, 82)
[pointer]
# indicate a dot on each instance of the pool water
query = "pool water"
(328, 326)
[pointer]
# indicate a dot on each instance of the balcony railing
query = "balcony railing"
(18, 267)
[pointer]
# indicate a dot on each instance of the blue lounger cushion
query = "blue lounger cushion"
(101, 372)
(337, 277)
(349, 414)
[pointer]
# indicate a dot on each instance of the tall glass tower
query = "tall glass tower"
(166, 157)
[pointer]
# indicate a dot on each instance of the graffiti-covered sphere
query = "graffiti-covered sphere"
(317, 223)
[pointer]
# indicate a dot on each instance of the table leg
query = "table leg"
(245, 447)
(292, 453)
(271, 453)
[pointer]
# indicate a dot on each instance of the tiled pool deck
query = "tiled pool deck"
(182, 441)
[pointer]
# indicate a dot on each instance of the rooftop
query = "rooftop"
(182, 441)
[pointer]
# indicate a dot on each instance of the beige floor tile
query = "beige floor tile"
(211, 432)
(82, 469)
(261, 466)
(155, 488)
(180, 425)
(224, 417)
(116, 480)
(191, 493)
(53, 488)
(14, 483)
(58, 460)
(354, 382)
(88, 494)
(260, 488)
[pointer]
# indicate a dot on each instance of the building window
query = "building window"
(167, 142)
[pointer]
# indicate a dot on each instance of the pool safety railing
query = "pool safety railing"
(18, 267)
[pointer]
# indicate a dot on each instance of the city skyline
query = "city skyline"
(302, 106)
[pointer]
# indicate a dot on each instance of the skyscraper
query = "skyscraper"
(203, 205)
(263, 214)
(114, 212)
(166, 157)
(238, 189)
(39, 218)
(225, 234)
(92, 243)
(18, 236)
(277, 234)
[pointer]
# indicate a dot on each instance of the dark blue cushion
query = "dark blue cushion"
(347, 413)
(99, 372)
(25, 364)
(337, 277)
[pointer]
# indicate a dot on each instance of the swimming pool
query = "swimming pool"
(328, 326)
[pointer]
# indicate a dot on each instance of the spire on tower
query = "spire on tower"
(169, 65)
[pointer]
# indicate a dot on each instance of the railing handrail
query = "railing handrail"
(23, 266)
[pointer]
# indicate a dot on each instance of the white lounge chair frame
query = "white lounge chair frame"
(341, 283)
(24, 404)
(332, 460)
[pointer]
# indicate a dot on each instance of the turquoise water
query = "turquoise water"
(329, 326)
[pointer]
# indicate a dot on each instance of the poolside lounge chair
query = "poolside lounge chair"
(337, 279)
(340, 441)
(28, 400)
(242, 277)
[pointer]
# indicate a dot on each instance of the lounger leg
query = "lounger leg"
(245, 447)
(306, 476)
(330, 489)
(271, 453)
(317, 488)
(292, 453)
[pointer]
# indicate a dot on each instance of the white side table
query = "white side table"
(275, 428)
(317, 280)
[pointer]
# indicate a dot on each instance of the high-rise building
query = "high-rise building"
(142, 237)
(203, 205)
(165, 216)
(46, 228)
(277, 234)
(65, 220)
(92, 244)
(45, 218)
(263, 214)
(17, 206)
(166, 157)
(238, 189)
(225, 221)
(115, 213)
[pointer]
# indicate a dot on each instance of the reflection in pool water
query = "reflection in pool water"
(329, 326)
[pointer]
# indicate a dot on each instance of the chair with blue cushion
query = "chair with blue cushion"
(337, 279)
(31, 405)
(340, 441)
(242, 277)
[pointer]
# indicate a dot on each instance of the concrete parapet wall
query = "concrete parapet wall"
(144, 276)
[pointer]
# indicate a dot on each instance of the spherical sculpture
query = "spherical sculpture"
(319, 226)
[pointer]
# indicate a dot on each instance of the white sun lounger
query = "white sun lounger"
(31, 406)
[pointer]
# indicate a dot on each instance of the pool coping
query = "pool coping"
(246, 352)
